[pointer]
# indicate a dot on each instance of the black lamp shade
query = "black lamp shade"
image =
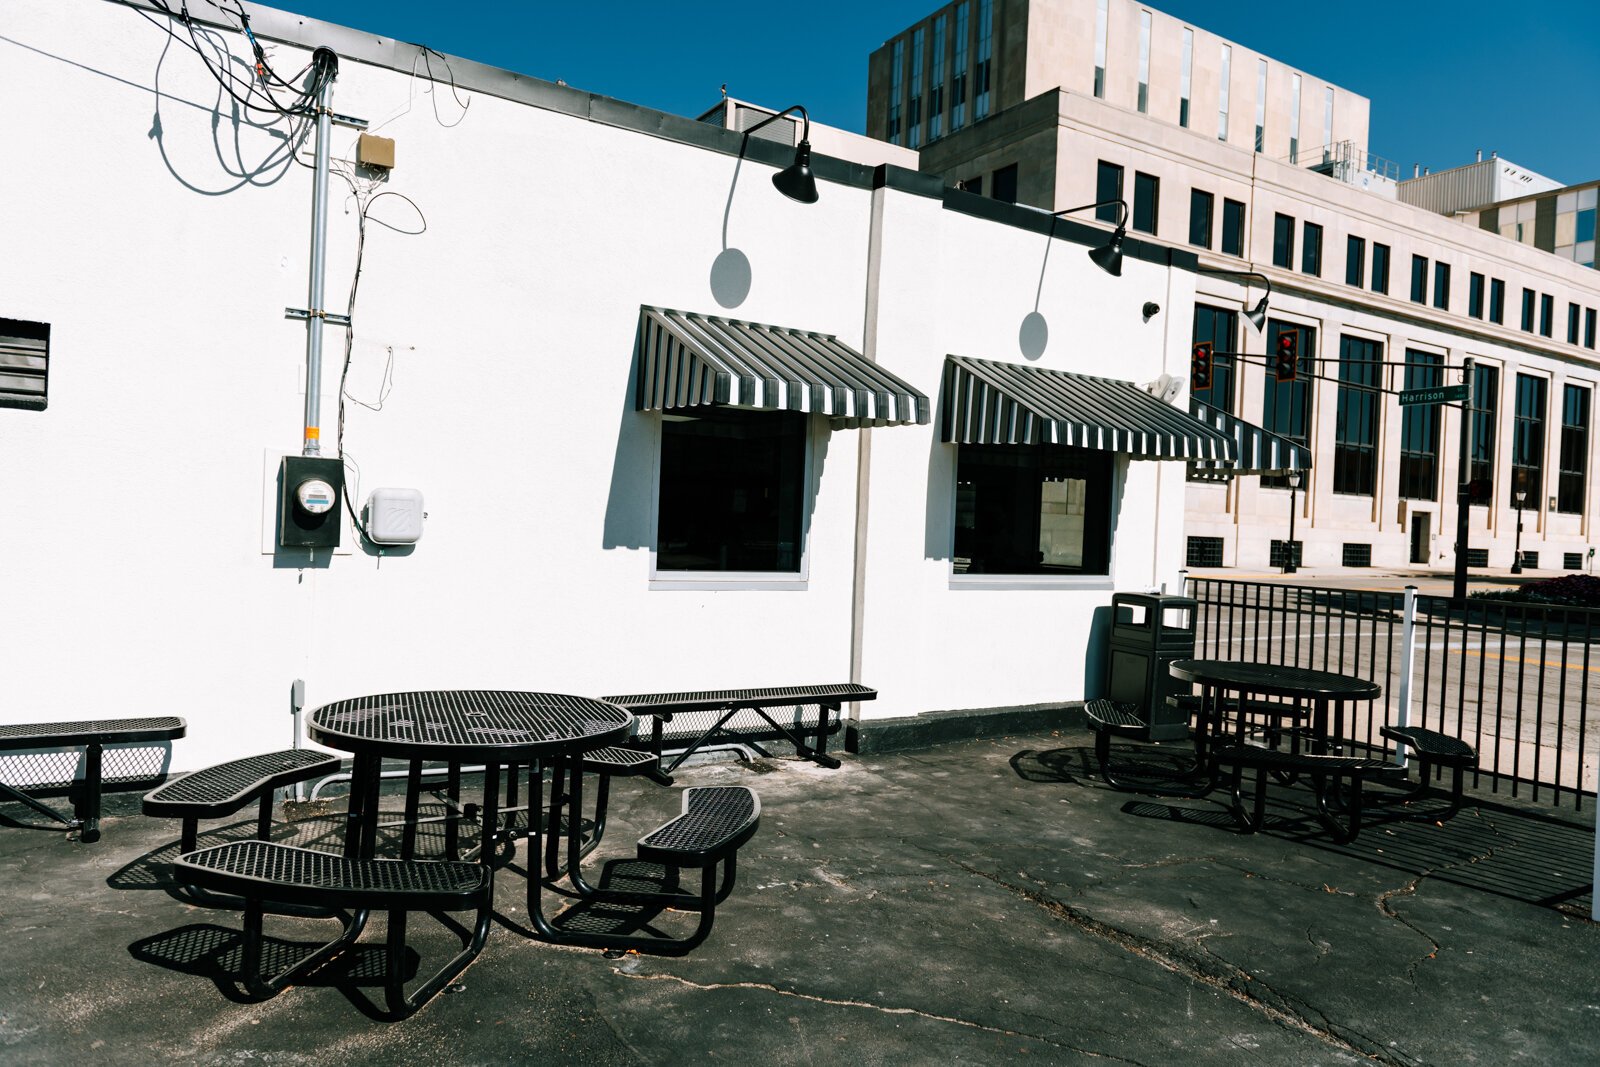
(795, 181)
(1258, 315)
(1109, 257)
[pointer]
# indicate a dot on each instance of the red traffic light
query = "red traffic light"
(1200, 368)
(1286, 362)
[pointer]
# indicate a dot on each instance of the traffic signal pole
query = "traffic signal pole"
(1464, 490)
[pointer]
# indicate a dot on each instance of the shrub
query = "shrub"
(1569, 591)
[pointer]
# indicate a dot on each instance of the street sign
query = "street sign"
(1445, 394)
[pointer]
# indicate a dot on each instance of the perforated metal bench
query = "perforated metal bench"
(264, 872)
(608, 763)
(716, 822)
(1105, 718)
(1325, 772)
(92, 736)
(745, 717)
(1434, 749)
(219, 791)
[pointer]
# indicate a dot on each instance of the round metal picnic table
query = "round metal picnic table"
(1318, 688)
(497, 728)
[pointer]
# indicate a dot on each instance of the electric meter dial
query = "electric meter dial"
(315, 496)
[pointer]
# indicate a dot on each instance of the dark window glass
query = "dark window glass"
(1588, 327)
(1355, 261)
(731, 491)
(1380, 268)
(1475, 295)
(1527, 440)
(1572, 324)
(1441, 286)
(1286, 406)
(1547, 314)
(1311, 250)
(1232, 228)
(1355, 466)
(1419, 279)
(1146, 201)
(1283, 242)
(1108, 186)
(1497, 301)
(1485, 406)
(1200, 203)
(1004, 185)
(1032, 509)
(1220, 326)
(1574, 449)
(1527, 310)
(1419, 430)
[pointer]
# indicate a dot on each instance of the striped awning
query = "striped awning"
(988, 403)
(686, 360)
(1259, 451)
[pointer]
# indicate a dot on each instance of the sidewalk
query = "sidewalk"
(973, 903)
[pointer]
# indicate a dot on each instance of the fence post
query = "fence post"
(1408, 656)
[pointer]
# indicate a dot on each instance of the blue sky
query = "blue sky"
(1444, 78)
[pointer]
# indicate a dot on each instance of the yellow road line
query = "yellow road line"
(1536, 662)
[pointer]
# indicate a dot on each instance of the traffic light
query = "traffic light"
(1200, 368)
(1287, 360)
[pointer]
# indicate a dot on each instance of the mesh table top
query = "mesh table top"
(1274, 679)
(460, 725)
(708, 699)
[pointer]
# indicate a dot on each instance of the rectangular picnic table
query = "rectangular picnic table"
(721, 706)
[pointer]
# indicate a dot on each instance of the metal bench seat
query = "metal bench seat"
(92, 735)
(1434, 749)
(263, 872)
(1325, 772)
(716, 821)
(218, 791)
(1106, 717)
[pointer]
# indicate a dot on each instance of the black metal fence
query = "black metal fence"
(1518, 682)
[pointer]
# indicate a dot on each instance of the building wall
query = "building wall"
(505, 332)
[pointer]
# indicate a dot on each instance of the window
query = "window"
(1233, 228)
(1261, 104)
(1441, 286)
(1485, 406)
(1419, 279)
(1574, 449)
(1286, 406)
(1203, 552)
(24, 364)
(1100, 49)
(1144, 62)
(1311, 250)
(1355, 554)
(1032, 509)
(1355, 468)
(1527, 310)
(1200, 204)
(980, 73)
(1294, 119)
(1283, 242)
(896, 71)
(1547, 315)
(1107, 186)
(1222, 93)
(1572, 324)
(732, 491)
(915, 116)
(1380, 268)
(1146, 201)
(958, 75)
(1497, 301)
(1527, 441)
(973, 185)
(1279, 553)
(1219, 326)
(1419, 430)
(1475, 295)
(1185, 77)
(936, 83)
(1004, 184)
(1588, 327)
(1355, 261)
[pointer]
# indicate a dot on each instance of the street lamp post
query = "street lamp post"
(1290, 563)
(1516, 555)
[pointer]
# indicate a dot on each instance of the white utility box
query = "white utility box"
(394, 516)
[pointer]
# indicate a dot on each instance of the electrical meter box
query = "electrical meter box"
(310, 494)
(394, 517)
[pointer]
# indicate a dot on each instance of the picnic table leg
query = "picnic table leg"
(89, 809)
(408, 832)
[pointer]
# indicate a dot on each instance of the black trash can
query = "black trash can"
(1148, 632)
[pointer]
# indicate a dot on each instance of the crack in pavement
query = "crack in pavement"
(1233, 980)
(842, 1002)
